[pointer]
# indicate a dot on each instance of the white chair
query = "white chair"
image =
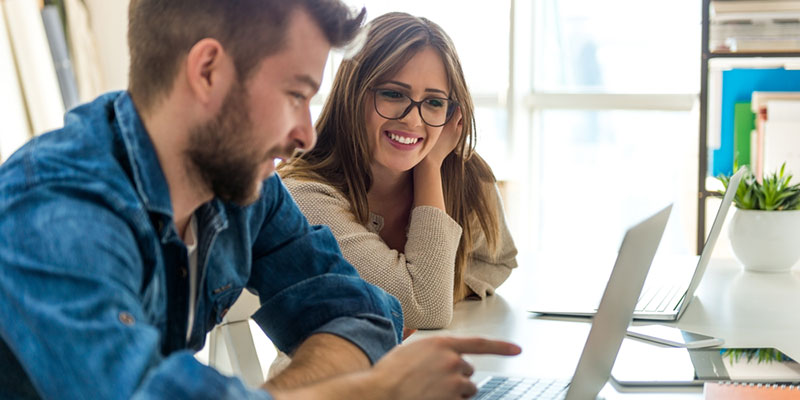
(232, 347)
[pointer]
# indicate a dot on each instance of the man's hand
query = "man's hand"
(319, 357)
(432, 368)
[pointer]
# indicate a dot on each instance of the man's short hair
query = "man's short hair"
(161, 33)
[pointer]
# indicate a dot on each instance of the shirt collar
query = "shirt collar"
(148, 178)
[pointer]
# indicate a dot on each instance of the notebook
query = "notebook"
(608, 326)
(667, 294)
(750, 391)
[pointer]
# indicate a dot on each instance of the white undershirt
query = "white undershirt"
(190, 239)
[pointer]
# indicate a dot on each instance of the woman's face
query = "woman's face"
(399, 145)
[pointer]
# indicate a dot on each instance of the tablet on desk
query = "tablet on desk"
(642, 365)
(673, 337)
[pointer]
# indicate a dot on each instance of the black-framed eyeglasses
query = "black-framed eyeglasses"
(392, 104)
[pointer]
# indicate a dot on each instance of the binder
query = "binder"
(35, 66)
(58, 48)
(769, 152)
(738, 85)
(782, 137)
(750, 391)
(744, 122)
(15, 129)
(85, 60)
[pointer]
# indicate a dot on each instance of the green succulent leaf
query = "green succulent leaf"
(762, 355)
(773, 192)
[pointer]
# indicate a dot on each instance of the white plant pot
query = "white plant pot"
(766, 241)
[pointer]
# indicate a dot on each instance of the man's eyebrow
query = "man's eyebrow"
(308, 80)
(407, 86)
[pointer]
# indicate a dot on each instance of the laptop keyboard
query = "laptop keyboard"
(658, 298)
(502, 387)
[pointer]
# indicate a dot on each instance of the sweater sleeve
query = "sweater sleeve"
(421, 278)
(487, 270)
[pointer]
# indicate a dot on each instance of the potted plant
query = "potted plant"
(760, 355)
(765, 228)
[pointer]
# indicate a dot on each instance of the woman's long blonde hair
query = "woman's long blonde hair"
(342, 155)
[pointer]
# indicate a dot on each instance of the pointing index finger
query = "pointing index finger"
(483, 346)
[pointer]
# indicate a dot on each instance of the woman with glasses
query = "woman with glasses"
(395, 176)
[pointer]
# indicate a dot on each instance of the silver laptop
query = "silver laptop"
(608, 327)
(667, 295)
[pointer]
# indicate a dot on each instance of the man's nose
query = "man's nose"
(303, 135)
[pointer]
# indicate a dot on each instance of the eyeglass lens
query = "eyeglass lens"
(391, 104)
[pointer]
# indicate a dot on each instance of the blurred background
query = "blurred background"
(586, 110)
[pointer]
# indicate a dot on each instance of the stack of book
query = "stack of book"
(750, 391)
(776, 138)
(766, 132)
(758, 114)
(754, 26)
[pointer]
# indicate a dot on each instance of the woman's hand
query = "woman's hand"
(447, 140)
(428, 173)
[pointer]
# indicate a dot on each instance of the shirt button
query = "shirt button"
(126, 318)
(184, 272)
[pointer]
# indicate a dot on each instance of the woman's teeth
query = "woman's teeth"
(403, 139)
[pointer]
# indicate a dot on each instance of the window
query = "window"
(587, 111)
(592, 46)
(611, 114)
(601, 171)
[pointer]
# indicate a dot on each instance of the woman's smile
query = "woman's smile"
(402, 140)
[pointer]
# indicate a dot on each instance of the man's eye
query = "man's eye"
(298, 96)
(390, 94)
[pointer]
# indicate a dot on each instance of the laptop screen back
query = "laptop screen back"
(616, 307)
(713, 235)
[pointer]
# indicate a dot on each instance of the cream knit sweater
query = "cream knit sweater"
(422, 277)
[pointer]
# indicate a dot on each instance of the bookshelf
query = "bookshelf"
(742, 59)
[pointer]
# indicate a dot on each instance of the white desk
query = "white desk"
(746, 309)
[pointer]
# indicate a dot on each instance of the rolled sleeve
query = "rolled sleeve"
(372, 334)
(338, 304)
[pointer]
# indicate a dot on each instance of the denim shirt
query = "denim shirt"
(93, 275)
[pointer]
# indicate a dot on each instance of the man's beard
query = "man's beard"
(220, 155)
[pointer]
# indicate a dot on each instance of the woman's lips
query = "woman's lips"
(402, 140)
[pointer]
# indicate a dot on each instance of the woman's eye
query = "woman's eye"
(390, 94)
(435, 103)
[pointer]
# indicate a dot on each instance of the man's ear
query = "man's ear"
(209, 72)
